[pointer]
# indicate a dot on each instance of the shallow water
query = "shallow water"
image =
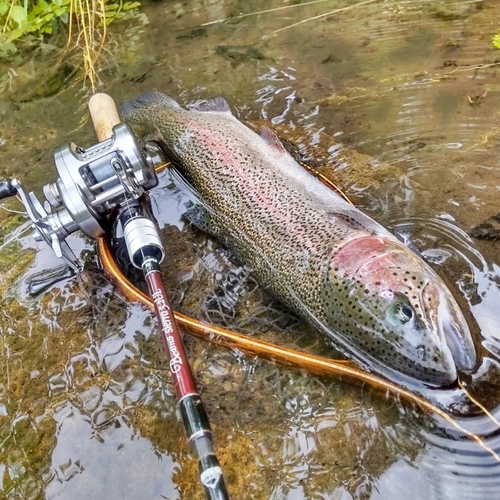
(86, 406)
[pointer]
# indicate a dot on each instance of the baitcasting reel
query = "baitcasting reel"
(92, 182)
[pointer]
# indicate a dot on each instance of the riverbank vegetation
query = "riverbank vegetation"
(60, 27)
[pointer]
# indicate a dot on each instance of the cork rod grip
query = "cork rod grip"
(104, 115)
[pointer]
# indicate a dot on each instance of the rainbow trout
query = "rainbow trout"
(330, 263)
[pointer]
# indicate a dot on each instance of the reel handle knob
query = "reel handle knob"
(104, 115)
(7, 189)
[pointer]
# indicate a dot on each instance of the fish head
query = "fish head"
(400, 312)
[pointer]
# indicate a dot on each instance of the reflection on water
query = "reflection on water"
(86, 406)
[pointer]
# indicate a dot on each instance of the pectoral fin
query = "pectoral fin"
(272, 139)
(200, 217)
(199, 213)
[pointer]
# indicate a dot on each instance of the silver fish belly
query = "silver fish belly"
(330, 263)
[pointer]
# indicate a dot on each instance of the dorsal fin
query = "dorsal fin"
(133, 109)
(215, 105)
(272, 139)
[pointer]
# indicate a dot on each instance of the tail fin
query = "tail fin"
(132, 110)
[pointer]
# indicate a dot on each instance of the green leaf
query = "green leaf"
(3, 8)
(43, 6)
(60, 11)
(15, 34)
(496, 41)
(131, 5)
(17, 14)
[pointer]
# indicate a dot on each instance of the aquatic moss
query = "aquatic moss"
(13, 263)
(10, 221)
(256, 409)
(31, 354)
(23, 477)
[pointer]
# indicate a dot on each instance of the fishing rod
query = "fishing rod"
(146, 253)
(114, 176)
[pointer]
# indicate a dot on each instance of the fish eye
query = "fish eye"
(403, 312)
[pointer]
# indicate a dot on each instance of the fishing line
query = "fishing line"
(317, 365)
(336, 11)
(478, 404)
(296, 359)
(15, 235)
(12, 211)
(326, 181)
(241, 16)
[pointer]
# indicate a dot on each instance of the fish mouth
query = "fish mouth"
(444, 378)
(453, 337)
(456, 355)
(457, 341)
